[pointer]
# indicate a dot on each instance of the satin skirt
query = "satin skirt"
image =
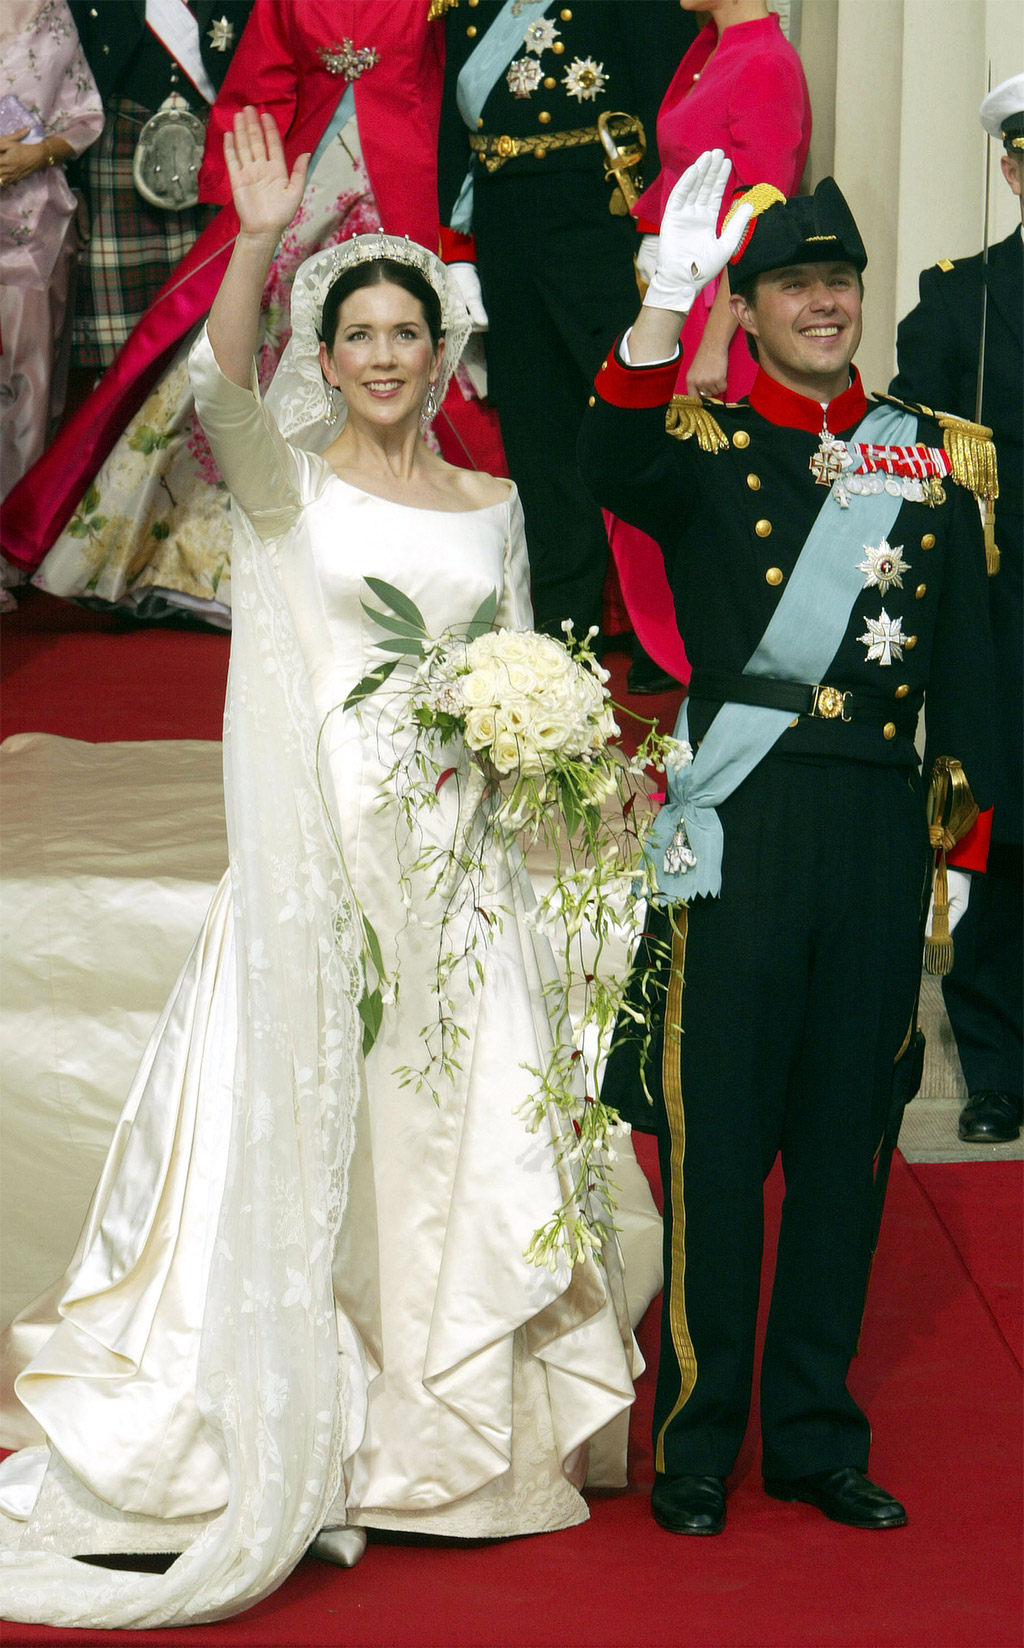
(482, 1379)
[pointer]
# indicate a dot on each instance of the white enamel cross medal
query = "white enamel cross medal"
(828, 464)
(883, 638)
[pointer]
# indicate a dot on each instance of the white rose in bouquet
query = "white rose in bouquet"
(480, 728)
(505, 752)
(479, 687)
(520, 678)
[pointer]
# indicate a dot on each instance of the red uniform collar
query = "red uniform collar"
(784, 406)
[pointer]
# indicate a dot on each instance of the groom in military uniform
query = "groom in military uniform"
(826, 559)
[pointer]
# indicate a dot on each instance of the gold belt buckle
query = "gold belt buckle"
(506, 146)
(829, 704)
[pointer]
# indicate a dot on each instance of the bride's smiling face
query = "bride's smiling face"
(383, 358)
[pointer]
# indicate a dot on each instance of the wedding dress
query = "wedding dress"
(301, 1297)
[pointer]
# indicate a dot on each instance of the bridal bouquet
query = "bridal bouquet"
(526, 725)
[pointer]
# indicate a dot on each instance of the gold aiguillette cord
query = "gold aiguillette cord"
(952, 811)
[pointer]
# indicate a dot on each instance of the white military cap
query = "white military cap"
(1002, 112)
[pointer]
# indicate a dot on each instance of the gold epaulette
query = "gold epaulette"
(687, 415)
(972, 463)
(438, 9)
(972, 457)
(945, 265)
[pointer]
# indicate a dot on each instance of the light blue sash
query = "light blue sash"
(479, 75)
(800, 642)
(343, 113)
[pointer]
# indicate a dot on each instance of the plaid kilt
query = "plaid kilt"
(134, 247)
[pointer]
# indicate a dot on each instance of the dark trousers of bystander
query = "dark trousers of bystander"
(556, 270)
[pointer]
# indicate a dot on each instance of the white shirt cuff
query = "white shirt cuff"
(627, 360)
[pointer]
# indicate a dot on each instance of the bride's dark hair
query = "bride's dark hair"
(372, 273)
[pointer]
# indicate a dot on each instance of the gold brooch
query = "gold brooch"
(348, 60)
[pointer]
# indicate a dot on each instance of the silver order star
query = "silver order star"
(222, 34)
(584, 79)
(540, 36)
(883, 567)
(884, 639)
(524, 76)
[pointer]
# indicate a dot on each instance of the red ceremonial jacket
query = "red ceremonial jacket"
(277, 66)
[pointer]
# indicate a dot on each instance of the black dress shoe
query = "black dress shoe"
(844, 1495)
(689, 1504)
(990, 1117)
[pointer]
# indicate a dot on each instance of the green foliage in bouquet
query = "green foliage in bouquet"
(520, 728)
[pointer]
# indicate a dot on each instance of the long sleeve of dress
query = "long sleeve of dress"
(268, 479)
(515, 610)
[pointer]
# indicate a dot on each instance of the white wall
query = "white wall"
(895, 88)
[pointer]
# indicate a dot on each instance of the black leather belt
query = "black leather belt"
(821, 702)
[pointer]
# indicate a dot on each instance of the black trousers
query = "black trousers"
(556, 270)
(983, 992)
(800, 983)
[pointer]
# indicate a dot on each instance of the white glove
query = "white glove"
(959, 895)
(469, 285)
(690, 252)
(647, 257)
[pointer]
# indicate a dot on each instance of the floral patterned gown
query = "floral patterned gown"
(152, 534)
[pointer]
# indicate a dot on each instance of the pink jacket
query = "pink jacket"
(745, 93)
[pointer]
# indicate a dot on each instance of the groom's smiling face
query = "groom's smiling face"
(807, 323)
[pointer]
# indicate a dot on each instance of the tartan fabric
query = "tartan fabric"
(134, 247)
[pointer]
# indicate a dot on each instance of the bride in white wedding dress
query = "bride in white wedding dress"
(300, 1306)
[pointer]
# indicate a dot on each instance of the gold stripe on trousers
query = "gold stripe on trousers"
(672, 1087)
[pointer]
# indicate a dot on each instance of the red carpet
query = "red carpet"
(936, 1371)
(86, 675)
(979, 1203)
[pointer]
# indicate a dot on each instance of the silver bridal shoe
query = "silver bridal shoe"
(342, 1546)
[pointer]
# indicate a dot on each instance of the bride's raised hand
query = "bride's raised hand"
(266, 196)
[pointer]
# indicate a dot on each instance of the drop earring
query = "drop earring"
(429, 405)
(331, 411)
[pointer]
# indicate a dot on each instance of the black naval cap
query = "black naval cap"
(818, 228)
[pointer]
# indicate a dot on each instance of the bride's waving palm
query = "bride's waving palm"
(266, 196)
